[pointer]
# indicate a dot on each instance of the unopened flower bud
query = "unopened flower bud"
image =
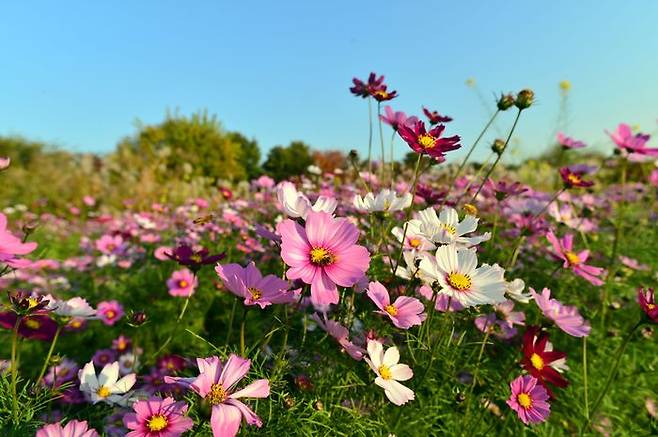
(524, 99)
(505, 102)
(353, 155)
(138, 318)
(498, 146)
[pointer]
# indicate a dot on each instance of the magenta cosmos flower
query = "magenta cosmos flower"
(566, 317)
(429, 143)
(182, 283)
(109, 312)
(568, 142)
(158, 418)
(405, 312)
(323, 254)
(74, 428)
(395, 119)
(434, 117)
(529, 400)
(647, 301)
(573, 179)
(634, 145)
(249, 284)
(563, 250)
(217, 383)
(11, 246)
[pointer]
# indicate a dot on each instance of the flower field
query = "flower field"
(441, 297)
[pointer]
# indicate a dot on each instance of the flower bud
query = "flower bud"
(524, 99)
(505, 102)
(498, 146)
(138, 318)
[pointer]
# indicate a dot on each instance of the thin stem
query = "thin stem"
(586, 394)
(50, 353)
(515, 253)
(230, 323)
(493, 166)
(242, 326)
(393, 159)
(475, 178)
(381, 139)
(555, 196)
(369, 135)
(14, 369)
(175, 330)
(408, 215)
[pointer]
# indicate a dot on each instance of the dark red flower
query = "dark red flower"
(434, 117)
(502, 189)
(34, 326)
(363, 89)
(647, 301)
(25, 303)
(538, 355)
(429, 143)
(186, 256)
(382, 94)
(573, 178)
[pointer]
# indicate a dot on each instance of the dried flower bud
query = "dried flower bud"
(505, 102)
(524, 99)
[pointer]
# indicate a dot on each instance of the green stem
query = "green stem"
(14, 369)
(586, 395)
(369, 135)
(475, 178)
(393, 159)
(476, 374)
(175, 330)
(515, 253)
(50, 353)
(408, 214)
(242, 326)
(381, 140)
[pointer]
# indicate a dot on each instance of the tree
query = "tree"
(284, 162)
(249, 154)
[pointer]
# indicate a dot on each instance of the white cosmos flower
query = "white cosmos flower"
(410, 269)
(514, 289)
(107, 387)
(74, 307)
(447, 229)
(457, 273)
(385, 201)
(389, 372)
(413, 238)
(296, 204)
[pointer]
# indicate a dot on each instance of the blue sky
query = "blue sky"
(80, 73)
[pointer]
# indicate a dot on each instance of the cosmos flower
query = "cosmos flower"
(75, 307)
(405, 312)
(573, 179)
(457, 273)
(414, 239)
(106, 387)
(121, 343)
(111, 245)
(385, 201)
(365, 89)
(5, 162)
(514, 289)
(383, 95)
(632, 145)
(37, 326)
(447, 229)
(529, 399)
(217, 383)
(192, 258)
(66, 370)
(566, 317)
(323, 254)
(109, 312)
(647, 301)
(541, 361)
(568, 142)
(388, 370)
(182, 283)
(341, 335)
(395, 119)
(435, 118)
(501, 190)
(563, 250)
(12, 246)
(158, 418)
(296, 204)
(248, 283)
(73, 428)
(428, 143)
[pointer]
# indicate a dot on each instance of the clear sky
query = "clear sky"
(80, 73)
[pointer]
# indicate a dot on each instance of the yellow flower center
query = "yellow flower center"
(524, 400)
(459, 281)
(32, 324)
(217, 394)
(651, 306)
(110, 314)
(196, 258)
(574, 179)
(449, 229)
(387, 204)
(75, 324)
(537, 361)
(31, 303)
(182, 284)
(103, 392)
(157, 422)
(391, 310)
(321, 256)
(572, 258)
(255, 293)
(426, 141)
(381, 94)
(385, 372)
(414, 242)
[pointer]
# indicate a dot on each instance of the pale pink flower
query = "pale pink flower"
(74, 428)
(405, 312)
(323, 254)
(110, 245)
(249, 284)
(11, 246)
(109, 312)
(341, 335)
(566, 317)
(632, 145)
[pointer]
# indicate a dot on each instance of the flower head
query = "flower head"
(540, 360)
(529, 399)
(434, 117)
(405, 312)
(11, 247)
(106, 387)
(388, 370)
(568, 142)
(296, 204)
(566, 317)
(632, 145)
(192, 258)
(109, 312)
(395, 119)
(340, 334)
(447, 229)
(647, 301)
(323, 254)
(158, 418)
(563, 250)
(573, 179)
(182, 283)
(248, 283)
(385, 201)
(428, 143)
(74, 428)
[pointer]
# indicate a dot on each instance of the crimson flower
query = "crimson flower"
(647, 301)
(573, 178)
(382, 94)
(541, 361)
(434, 117)
(366, 89)
(429, 143)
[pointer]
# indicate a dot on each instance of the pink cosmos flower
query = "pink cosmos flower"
(634, 264)
(5, 161)
(11, 246)
(395, 119)
(634, 145)
(568, 142)
(653, 178)
(249, 284)
(109, 312)
(217, 384)
(324, 254)
(566, 317)
(74, 428)
(109, 244)
(341, 335)
(563, 250)
(405, 312)
(529, 399)
(158, 418)
(182, 283)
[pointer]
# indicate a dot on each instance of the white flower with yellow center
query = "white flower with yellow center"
(447, 229)
(389, 372)
(385, 201)
(107, 387)
(460, 278)
(413, 239)
(296, 204)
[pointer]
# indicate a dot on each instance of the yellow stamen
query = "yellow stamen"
(385, 372)
(426, 141)
(391, 310)
(110, 314)
(449, 229)
(459, 281)
(651, 306)
(537, 361)
(183, 284)
(524, 400)
(217, 394)
(574, 179)
(103, 392)
(255, 293)
(414, 242)
(31, 303)
(572, 258)
(157, 423)
(321, 256)
(32, 324)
